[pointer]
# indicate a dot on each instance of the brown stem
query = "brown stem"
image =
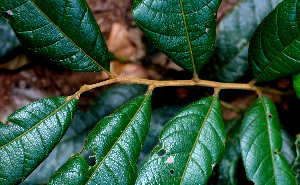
(204, 83)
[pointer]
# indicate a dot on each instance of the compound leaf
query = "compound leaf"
(274, 47)
(104, 104)
(296, 84)
(192, 142)
(184, 30)
(261, 143)
(35, 131)
(64, 31)
(117, 141)
(234, 33)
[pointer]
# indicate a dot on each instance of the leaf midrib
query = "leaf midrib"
(197, 138)
(276, 57)
(57, 27)
(37, 124)
(269, 135)
(103, 159)
(188, 37)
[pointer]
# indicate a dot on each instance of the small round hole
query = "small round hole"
(172, 171)
(270, 115)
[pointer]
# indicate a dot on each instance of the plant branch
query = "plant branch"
(156, 83)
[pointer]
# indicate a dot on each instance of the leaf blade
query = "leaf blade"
(56, 31)
(104, 104)
(123, 131)
(37, 128)
(183, 30)
(234, 34)
(182, 162)
(261, 143)
(296, 84)
(273, 49)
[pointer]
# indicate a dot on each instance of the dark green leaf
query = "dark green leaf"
(159, 118)
(274, 47)
(104, 104)
(228, 164)
(35, 131)
(261, 144)
(234, 33)
(192, 143)
(8, 39)
(296, 84)
(296, 166)
(64, 31)
(184, 30)
(117, 142)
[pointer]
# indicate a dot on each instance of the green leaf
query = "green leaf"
(192, 143)
(35, 131)
(159, 118)
(296, 166)
(104, 104)
(261, 144)
(234, 33)
(229, 163)
(8, 39)
(273, 51)
(288, 147)
(117, 142)
(296, 84)
(63, 31)
(182, 29)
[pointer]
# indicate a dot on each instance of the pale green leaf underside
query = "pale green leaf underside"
(274, 48)
(193, 141)
(35, 131)
(184, 30)
(234, 33)
(261, 143)
(296, 166)
(8, 39)
(117, 142)
(63, 31)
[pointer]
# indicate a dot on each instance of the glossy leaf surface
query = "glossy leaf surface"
(35, 131)
(117, 142)
(228, 165)
(261, 143)
(104, 104)
(184, 30)
(274, 48)
(159, 118)
(192, 142)
(8, 39)
(234, 33)
(63, 31)
(296, 84)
